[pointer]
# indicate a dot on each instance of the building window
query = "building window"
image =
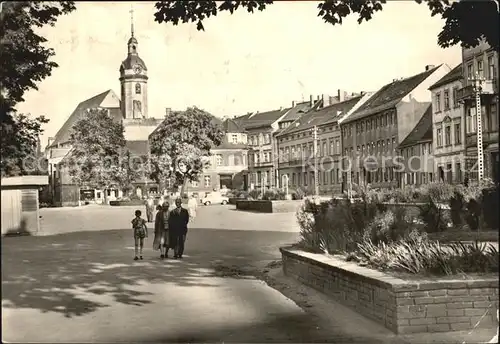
(446, 100)
(337, 146)
(234, 138)
(455, 97)
(424, 148)
(194, 183)
(137, 88)
(458, 134)
(439, 136)
(470, 71)
(494, 116)
(437, 102)
(332, 147)
(491, 68)
(447, 135)
(137, 109)
(480, 70)
(324, 152)
(219, 160)
(207, 181)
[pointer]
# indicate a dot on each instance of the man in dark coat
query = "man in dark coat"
(177, 225)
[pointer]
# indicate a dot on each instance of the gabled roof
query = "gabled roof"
(422, 131)
(321, 116)
(389, 95)
(231, 126)
(63, 135)
(454, 75)
(297, 111)
(241, 120)
(263, 119)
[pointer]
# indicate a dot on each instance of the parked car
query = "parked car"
(214, 198)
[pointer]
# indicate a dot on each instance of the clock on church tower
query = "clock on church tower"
(134, 82)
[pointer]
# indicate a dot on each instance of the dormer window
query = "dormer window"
(137, 88)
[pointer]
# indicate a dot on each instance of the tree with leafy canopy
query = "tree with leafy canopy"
(98, 158)
(180, 146)
(24, 62)
(466, 22)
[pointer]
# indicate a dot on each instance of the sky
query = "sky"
(241, 63)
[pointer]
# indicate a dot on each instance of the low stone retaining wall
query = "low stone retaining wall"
(262, 206)
(401, 306)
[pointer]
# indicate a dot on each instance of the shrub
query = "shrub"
(274, 195)
(433, 216)
(420, 256)
(390, 226)
(254, 194)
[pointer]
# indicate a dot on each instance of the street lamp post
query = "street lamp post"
(315, 147)
(478, 83)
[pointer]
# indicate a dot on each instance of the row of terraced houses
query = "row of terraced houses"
(411, 131)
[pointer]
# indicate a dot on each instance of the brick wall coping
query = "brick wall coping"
(382, 279)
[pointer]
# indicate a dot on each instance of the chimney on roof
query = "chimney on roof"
(341, 95)
(168, 111)
(429, 67)
(311, 100)
(326, 100)
(293, 103)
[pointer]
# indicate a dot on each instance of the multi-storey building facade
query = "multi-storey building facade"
(371, 135)
(228, 163)
(260, 128)
(416, 153)
(297, 162)
(448, 122)
(481, 62)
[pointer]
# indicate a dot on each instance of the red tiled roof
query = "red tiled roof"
(389, 95)
(453, 75)
(422, 131)
(63, 135)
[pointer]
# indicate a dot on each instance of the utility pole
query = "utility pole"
(477, 84)
(316, 184)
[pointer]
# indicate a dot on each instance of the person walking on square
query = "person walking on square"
(165, 234)
(177, 226)
(159, 231)
(150, 205)
(192, 206)
(140, 233)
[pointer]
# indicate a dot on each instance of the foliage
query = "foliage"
(255, 194)
(184, 138)
(98, 157)
(25, 61)
(420, 256)
(461, 25)
(18, 144)
(391, 225)
(434, 216)
(339, 223)
(274, 195)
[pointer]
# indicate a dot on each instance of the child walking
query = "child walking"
(140, 233)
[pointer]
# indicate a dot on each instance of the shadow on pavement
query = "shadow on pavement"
(57, 273)
(277, 329)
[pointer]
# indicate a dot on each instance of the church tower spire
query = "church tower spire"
(134, 80)
(131, 20)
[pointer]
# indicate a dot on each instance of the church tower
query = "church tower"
(134, 81)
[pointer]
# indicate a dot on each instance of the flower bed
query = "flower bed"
(403, 306)
(383, 234)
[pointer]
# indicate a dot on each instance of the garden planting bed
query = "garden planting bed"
(403, 305)
(264, 206)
